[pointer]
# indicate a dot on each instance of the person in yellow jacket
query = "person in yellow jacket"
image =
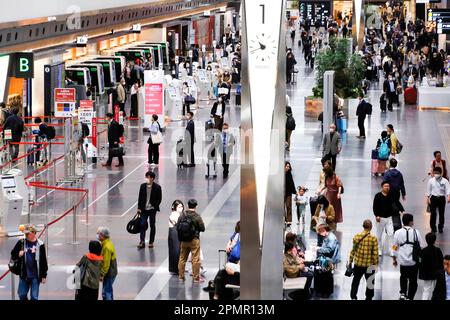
(393, 138)
(109, 270)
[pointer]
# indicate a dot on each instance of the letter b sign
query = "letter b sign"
(23, 65)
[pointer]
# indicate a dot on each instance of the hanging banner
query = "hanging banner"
(154, 95)
(92, 150)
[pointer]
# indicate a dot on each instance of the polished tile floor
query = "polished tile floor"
(421, 133)
(112, 202)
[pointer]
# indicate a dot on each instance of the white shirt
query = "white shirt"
(402, 251)
(438, 188)
(173, 219)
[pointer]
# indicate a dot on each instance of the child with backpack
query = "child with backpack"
(384, 150)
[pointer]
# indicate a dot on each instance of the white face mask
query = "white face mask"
(437, 176)
(331, 130)
(180, 209)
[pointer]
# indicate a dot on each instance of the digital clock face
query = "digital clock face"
(263, 48)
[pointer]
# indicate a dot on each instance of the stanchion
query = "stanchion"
(13, 287)
(74, 212)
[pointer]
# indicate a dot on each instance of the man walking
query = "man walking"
(16, 125)
(189, 226)
(218, 112)
(115, 132)
(189, 138)
(109, 269)
(363, 109)
(364, 255)
(332, 146)
(438, 189)
(224, 144)
(150, 196)
(383, 211)
(390, 88)
(32, 266)
(397, 185)
(405, 239)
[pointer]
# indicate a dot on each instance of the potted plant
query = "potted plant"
(349, 70)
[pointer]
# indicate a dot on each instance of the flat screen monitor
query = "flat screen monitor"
(8, 182)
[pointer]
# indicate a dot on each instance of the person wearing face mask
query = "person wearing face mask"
(174, 242)
(390, 89)
(438, 189)
(218, 112)
(115, 132)
(185, 93)
(225, 142)
(364, 108)
(332, 146)
(150, 196)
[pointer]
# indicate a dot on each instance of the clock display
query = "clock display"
(263, 47)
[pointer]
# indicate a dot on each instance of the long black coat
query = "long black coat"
(114, 132)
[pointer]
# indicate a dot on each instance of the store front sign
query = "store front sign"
(22, 65)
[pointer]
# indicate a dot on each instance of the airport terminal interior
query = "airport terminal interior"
(113, 113)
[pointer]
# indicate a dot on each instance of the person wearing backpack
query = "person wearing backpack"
(406, 247)
(364, 257)
(431, 266)
(290, 126)
(384, 149)
(394, 141)
(189, 226)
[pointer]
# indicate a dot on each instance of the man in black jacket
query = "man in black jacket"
(383, 211)
(16, 125)
(189, 138)
(361, 112)
(115, 132)
(441, 291)
(32, 263)
(150, 196)
(395, 179)
(218, 112)
(390, 88)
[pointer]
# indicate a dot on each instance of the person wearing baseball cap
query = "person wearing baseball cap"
(31, 266)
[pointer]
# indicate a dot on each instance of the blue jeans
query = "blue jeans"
(25, 285)
(107, 290)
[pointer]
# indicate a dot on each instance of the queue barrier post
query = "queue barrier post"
(13, 286)
(74, 228)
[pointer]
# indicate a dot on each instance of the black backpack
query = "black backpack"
(185, 228)
(369, 109)
(51, 133)
(290, 123)
(417, 250)
(121, 130)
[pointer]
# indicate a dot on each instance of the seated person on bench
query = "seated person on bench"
(294, 266)
(229, 275)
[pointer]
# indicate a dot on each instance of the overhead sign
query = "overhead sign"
(22, 65)
(65, 99)
(137, 28)
(441, 17)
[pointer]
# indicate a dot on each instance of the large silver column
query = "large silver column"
(262, 152)
(328, 97)
(358, 22)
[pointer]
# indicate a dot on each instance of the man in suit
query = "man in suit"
(225, 142)
(361, 112)
(189, 138)
(218, 112)
(115, 132)
(150, 196)
(332, 146)
(390, 88)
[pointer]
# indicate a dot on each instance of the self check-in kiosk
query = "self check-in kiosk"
(13, 201)
(203, 84)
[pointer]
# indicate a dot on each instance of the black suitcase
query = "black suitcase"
(30, 156)
(323, 283)
(180, 153)
(300, 43)
(383, 102)
(209, 125)
(238, 100)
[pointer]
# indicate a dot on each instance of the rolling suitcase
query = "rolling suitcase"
(410, 96)
(374, 166)
(323, 282)
(30, 156)
(383, 102)
(211, 169)
(180, 153)
(209, 125)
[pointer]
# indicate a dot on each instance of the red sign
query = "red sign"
(116, 113)
(87, 105)
(65, 95)
(153, 98)
(94, 132)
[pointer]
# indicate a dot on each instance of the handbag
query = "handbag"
(134, 225)
(189, 99)
(349, 268)
(117, 151)
(156, 138)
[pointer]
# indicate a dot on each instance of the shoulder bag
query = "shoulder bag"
(15, 265)
(349, 271)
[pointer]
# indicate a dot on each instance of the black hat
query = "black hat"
(95, 247)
